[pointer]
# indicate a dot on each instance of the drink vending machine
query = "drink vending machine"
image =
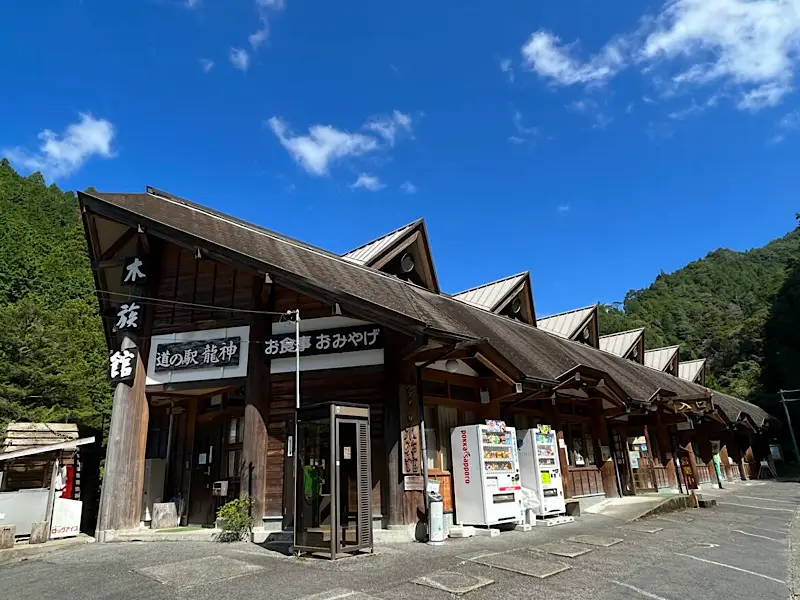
(486, 474)
(540, 469)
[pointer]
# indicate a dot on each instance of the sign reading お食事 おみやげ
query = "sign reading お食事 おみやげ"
(325, 341)
(197, 354)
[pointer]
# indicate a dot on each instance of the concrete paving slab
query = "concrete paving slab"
(596, 540)
(524, 562)
(565, 549)
(199, 571)
(682, 519)
(641, 528)
(453, 582)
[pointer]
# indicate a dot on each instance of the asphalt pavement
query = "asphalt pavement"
(742, 548)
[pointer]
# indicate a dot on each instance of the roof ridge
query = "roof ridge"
(502, 279)
(385, 235)
(566, 312)
(608, 335)
(663, 348)
(694, 360)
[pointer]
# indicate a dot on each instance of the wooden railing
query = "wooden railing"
(704, 474)
(662, 478)
(584, 481)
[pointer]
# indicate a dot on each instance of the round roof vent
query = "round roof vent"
(407, 263)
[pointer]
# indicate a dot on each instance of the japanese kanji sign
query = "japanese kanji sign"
(325, 341)
(197, 354)
(122, 366)
(134, 271)
(128, 317)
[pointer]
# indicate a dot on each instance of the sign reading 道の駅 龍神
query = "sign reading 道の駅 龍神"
(197, 354)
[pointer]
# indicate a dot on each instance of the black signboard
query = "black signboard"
(122, 366)
(198, 354)
(325, 341)
(134, 271)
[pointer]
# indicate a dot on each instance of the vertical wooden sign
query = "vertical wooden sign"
(409, 431)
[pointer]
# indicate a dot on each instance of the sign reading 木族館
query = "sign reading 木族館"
(202, 355)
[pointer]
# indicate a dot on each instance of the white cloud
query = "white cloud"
(520, 126)
(506, 67)
(590, 108)
(239, 58)
(515, 139)
(748, 46)
(788, 124)
(323, 146)
(273, 4)
(259, 37)
(564, 207)
(206, 64)
(60, 155)
(368, 182)
(388, 127)
(408, 187)
(544, 54)
(192, 3)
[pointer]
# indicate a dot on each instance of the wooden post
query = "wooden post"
(7, 533)
(121, 495)
(397, 374)
(256, 416)
(51, 498)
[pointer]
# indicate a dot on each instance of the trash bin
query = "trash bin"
(435, 518)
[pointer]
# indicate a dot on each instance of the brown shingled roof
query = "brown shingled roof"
(533, 352)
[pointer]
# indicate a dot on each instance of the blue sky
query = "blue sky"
(595, 144)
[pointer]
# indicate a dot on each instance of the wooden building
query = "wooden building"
(198, 307)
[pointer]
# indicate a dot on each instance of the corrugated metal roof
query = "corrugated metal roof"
(566, 324)
(489, 295)
(622, 342)
(660, 358)
(364, 255)
(690, 369)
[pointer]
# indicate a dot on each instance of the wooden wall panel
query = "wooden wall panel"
(360, 386)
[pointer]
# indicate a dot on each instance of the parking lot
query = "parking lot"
(738, 549)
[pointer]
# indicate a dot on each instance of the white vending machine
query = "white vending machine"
(486, 474)
(540, 469)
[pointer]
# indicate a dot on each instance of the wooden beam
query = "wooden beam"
(118, 244)
(494, 368)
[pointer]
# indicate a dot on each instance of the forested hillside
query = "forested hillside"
(52, 349)
(737, 309)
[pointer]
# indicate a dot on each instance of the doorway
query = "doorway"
(206, 467)
(641, 462)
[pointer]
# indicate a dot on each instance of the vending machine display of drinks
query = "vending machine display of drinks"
(486, 474)
(540, 469)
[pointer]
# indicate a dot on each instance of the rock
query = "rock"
(165, 516)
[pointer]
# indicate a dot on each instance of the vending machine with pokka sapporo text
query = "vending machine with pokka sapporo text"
(486, 474)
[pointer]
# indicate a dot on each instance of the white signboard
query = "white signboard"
(66, 518)
(198, 355)
(320, 362)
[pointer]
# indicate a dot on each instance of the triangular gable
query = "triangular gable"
(511, 296)
(663, 359)
(627, 344)
(693, 370)
(579, 325)
(386, 253)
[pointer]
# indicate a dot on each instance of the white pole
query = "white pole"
(295, 445)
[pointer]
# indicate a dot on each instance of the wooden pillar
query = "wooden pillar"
(253, 471)
(121, 495)
(397, 375)
(607, 468)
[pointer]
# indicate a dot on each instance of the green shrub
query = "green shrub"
(234, 519)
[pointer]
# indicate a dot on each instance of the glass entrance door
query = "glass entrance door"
(313, 516)
(641, 461)
(354, 491)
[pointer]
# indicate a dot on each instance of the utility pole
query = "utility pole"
(789, 423)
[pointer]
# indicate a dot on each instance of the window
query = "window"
(236, 430)
(439, 423)
(580, 445)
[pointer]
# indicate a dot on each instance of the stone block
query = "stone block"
(7, 533)
(39, 532)
(165, 516)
